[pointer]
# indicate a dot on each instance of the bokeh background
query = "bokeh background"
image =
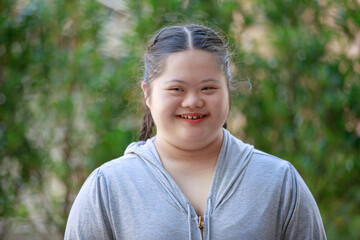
(69, 96)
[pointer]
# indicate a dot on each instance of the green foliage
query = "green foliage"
(53, 80)
(20, 160)
(303, 104)
(67, 101)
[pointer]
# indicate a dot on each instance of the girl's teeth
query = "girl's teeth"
(191, 117)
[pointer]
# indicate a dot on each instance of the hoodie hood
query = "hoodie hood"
(227, 175)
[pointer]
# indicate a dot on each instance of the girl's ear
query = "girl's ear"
(143, 87)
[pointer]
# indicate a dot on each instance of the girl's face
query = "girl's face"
(189, 101)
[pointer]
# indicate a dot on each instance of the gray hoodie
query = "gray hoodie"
(253, 195)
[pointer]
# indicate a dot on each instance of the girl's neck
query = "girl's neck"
(198, 159)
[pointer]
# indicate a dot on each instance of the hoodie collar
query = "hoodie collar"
(229, 171)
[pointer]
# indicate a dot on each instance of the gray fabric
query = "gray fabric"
(253, 196)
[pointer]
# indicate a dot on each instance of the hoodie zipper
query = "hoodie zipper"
(201, 226)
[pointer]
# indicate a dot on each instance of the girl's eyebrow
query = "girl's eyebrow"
(209, 80)
(174, 80)
(183, 82)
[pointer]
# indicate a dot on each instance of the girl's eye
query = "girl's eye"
(176, 89)
(208, 88)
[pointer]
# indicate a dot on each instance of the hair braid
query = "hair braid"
(146, 125)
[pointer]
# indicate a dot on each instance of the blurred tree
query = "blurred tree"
(62, 107)
(305, 59)
(20, 160)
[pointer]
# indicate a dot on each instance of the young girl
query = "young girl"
(193, 180)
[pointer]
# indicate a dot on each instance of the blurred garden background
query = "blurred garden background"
(69, 96)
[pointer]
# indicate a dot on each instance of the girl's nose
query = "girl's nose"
(192, 100)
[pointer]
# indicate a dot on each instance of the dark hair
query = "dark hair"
(175, 39)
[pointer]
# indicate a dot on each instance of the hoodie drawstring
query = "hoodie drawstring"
(189, 219)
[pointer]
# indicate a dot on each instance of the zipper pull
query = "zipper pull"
(201, 224)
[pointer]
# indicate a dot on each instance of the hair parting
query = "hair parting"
(189, 37)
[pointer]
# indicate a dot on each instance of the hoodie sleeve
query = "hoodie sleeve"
(89, 215)
(302, 218)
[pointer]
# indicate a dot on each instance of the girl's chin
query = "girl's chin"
(197, 137)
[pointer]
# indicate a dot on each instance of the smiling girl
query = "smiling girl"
(193, 179)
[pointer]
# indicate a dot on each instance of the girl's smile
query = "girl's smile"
(193, 118)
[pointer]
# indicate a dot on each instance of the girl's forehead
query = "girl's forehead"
(191, 59)
(191, 67)
(189, 53)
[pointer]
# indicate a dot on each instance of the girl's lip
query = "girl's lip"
(192, 118)
(192, 114)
